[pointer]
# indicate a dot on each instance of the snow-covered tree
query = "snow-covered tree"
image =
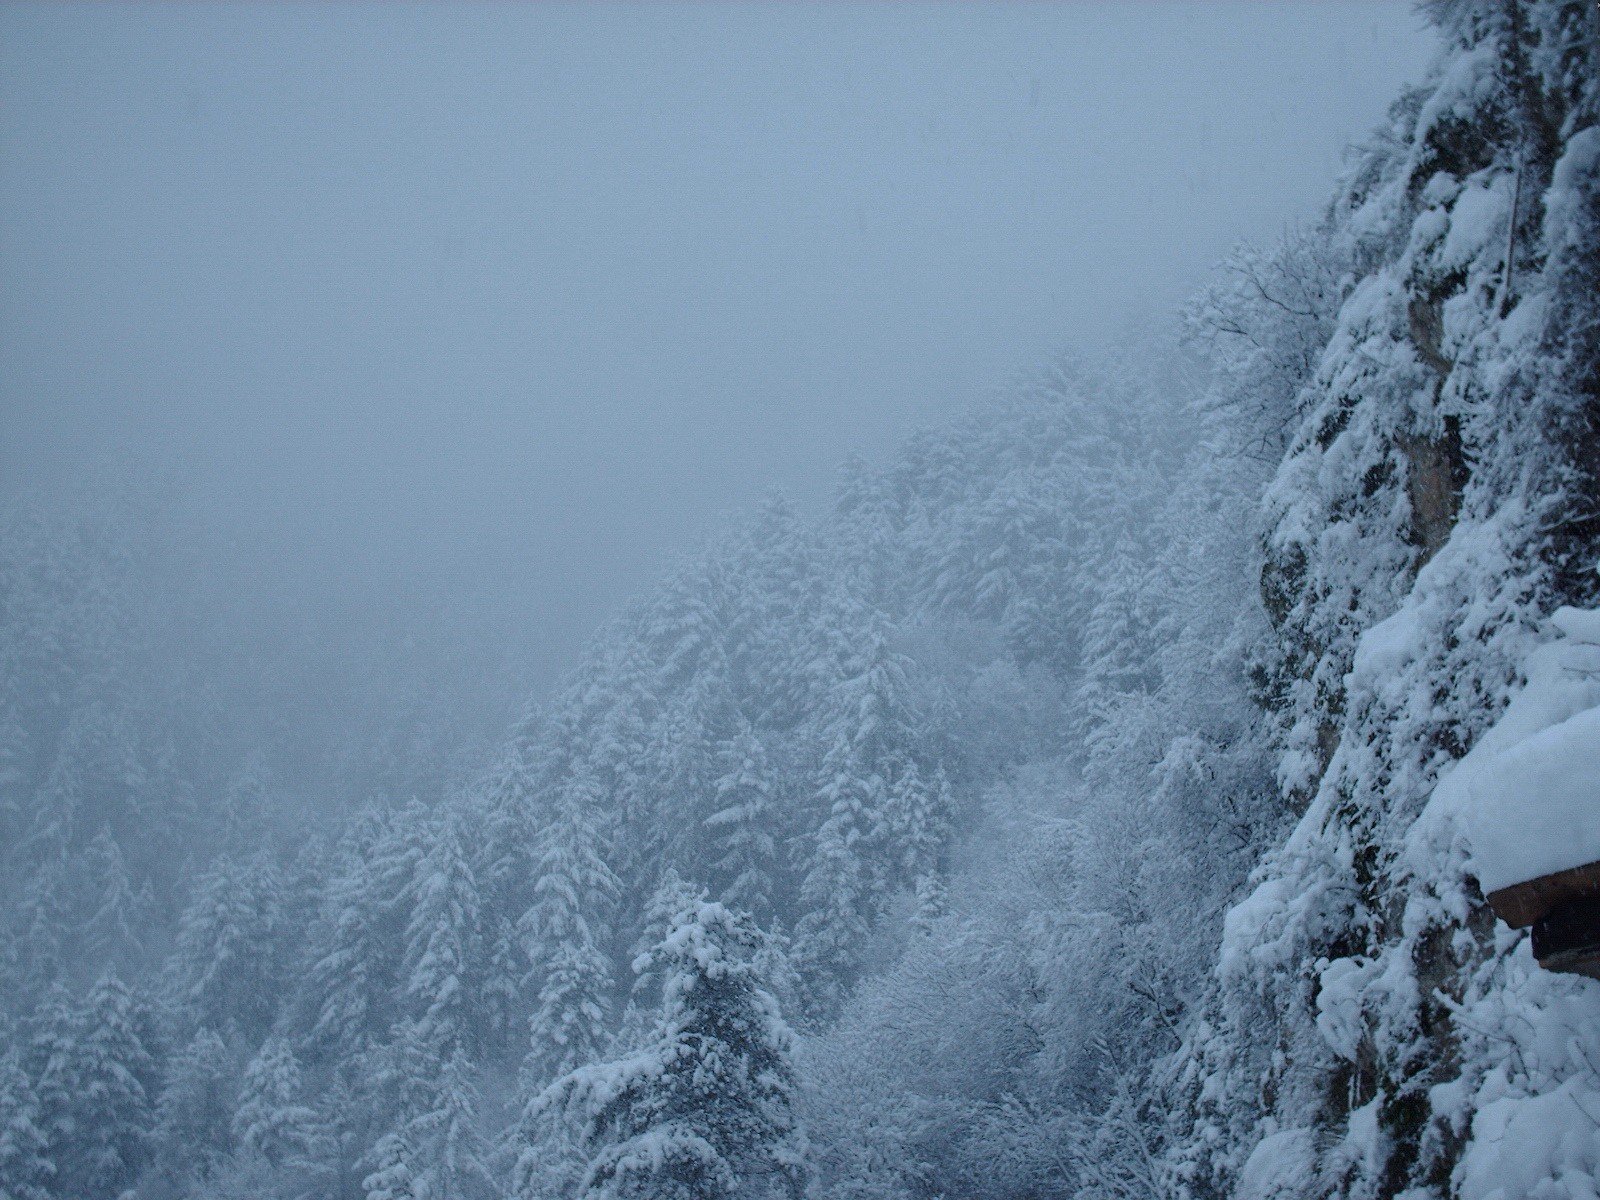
(193, 1127)
(566, 930)
(442, 950)
(569, 1024)
(246, 812)
(705, 1109)
(919, 815)
(358, 945)
(272, 1119)
(684, 626)
(227, 966)
(1263, 323)
(777, 575)
(867, 732)
(25, 1167)
(391, 1177)
(118, 915)
(94, 1079)
(740, 826)
(450, 1151)
(669, 898)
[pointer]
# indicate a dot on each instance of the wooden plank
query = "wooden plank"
(1524, 903)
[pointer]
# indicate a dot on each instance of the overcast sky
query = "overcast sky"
(531, 295)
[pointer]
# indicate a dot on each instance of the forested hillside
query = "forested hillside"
(1054, 816)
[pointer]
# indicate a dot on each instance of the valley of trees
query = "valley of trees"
(1049, 818)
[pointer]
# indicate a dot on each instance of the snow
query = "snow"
(1247, 921)
(1339, 1003)
(1020, 687)
(1532, 1146)
(1477, 218)
(1464, 89)
(1441, 189)
(1281, 1166)
(1528, 795)
(1389, 645)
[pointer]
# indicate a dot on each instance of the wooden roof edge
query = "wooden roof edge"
(1524, 903)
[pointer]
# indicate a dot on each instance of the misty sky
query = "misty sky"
(531, 295)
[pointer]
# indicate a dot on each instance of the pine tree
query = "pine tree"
(94, 1076)
(14, 782)
(442, 952)
(684, 626)
(245, 812)
(705, 1110)
(192, 1113)
(562, 932)
(549, 1161)
(272, 1120)
(868, 731)
(679, 769)
(668, 899)
(740, 825)
(450, 1153)
(618, 744)
(226, 965)
(565, 929)
(919, 823)
(392, 1177)
(504, 974)
(776, 596)
(25, 1168)
(357, 953)
(41, 927)
(1001, 547)
(569, 1024)
(117, 913)
(866, 518)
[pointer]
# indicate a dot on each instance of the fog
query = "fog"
(799, 602)
(470, 318)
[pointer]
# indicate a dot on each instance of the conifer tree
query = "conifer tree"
(225, 968)
(451, 1152)
(684, 628)
(777, 598)
(391, 1177)
(867, 730)
(116, 913)
(244, 809)
(705, 1109)
(919, 821)
(199, 1093)
(867, 521)
(740, 825)
(569, 1024)
(25, 1168)
(41, 926)
(668, 899)
(442, 949)
(618, 747)
(272, 1119)
(357, 954)
(93, 1091)
(566, 930)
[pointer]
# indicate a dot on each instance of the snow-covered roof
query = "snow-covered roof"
(1528, 795)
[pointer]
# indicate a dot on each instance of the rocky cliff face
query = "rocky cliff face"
(1371, 1031)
